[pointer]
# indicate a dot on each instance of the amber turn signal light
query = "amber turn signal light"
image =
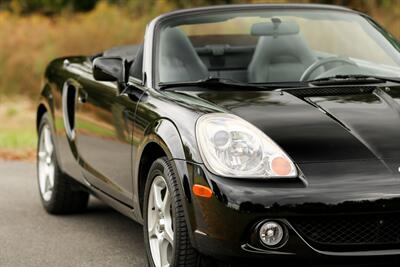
(281, 166)
(202, 191)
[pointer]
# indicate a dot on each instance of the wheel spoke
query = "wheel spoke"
(159, 222)
(50, 177)
(168, 233)
(47, 141)
(48, 183)
(43, 177)
(165, 205)
(47, 195)
(42, 155)
(155, 251)
(163, 246)
(152, 226)
(157, 197)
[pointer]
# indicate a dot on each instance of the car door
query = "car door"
(104, 125)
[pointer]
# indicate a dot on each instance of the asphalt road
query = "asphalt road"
(100, 237)
(31, 237)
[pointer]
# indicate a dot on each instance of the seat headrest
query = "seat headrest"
(178, 58)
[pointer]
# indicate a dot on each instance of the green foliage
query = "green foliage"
(17, 138)
(17, 129)
(11, 112)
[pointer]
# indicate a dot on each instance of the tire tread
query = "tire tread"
(185, 254)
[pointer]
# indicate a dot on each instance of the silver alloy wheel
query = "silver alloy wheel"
(159, 223)
(46, 168)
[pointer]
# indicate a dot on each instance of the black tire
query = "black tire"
(67, 196)
(184, 255)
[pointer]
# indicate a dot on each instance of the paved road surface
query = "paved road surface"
(31, 237)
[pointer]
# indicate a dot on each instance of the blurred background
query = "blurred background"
(32, 32)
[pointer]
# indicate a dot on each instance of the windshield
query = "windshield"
(261, 47)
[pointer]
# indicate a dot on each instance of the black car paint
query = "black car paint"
(345, 169)
(345, 146)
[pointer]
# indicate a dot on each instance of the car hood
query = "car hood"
(349, 125)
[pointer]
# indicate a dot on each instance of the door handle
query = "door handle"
(82, 97)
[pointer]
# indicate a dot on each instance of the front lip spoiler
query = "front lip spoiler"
(250, 248)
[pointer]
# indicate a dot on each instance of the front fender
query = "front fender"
(165, 134)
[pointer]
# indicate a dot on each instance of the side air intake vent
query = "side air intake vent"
(68, 106)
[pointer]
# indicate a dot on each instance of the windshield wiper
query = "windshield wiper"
(353, 79)
(210, 82)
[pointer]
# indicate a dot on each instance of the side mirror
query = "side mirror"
(109, 69)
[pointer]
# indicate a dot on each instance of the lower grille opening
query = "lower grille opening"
(350, 233)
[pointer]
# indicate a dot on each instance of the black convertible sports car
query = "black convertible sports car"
(243, 131)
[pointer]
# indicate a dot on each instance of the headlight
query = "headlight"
(232, 147)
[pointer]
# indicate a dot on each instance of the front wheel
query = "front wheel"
(165, 231)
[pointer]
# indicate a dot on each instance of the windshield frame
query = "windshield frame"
(158, 25)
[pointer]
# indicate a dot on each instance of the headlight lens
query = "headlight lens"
(232, 147)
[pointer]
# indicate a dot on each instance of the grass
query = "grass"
(17, 139)
(17, 129)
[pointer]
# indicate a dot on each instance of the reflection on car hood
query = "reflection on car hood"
(355, 126)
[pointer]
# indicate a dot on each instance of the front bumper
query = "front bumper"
(224, 226)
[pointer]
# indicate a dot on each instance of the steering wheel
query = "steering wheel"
(307, 73)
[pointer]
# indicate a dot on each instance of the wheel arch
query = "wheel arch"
(41, 110)
(44, 105)
(151, 153)
(162, 139)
